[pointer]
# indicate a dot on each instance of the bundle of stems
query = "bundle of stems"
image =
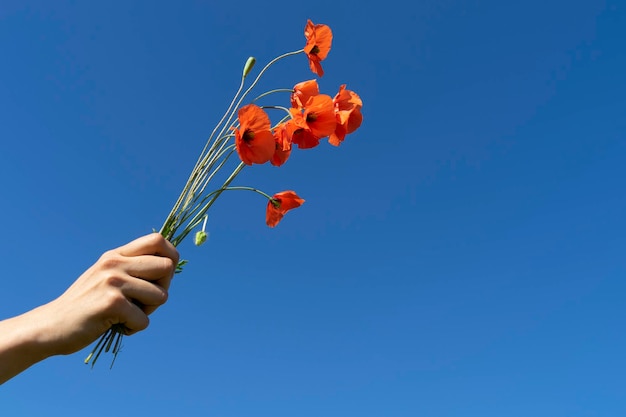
(247, 132)
(193, 203)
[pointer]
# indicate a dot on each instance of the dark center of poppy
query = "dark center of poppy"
(275, 202)
(311, 117)
(315, 50)
(248, 135)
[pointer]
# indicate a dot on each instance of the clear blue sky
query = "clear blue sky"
(462, 254)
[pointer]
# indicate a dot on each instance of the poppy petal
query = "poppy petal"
(280, 204)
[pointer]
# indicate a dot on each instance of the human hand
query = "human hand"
(123, 287)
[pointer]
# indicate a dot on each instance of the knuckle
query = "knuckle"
(113, 280)
(111, 260)
(168, 265)
(159, 244)
(164, 296)
(176, 257)
(155, 240)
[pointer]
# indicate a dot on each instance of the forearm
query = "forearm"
(123, 287)
(23, 343)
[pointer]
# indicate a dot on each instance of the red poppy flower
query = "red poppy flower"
(319, 39)
(348, 112)
(282, 137)
(253, 139)
(305, 139)
(315, 121)
(280, 204)
(302, 92)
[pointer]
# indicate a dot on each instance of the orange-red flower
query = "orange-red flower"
(302, 92)
(305, 139)
(254, 140)
(282, 137)
(315, 121)
(348, 112)
(279, 204)
(319, 39)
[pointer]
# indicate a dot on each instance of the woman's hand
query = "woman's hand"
(123, 287)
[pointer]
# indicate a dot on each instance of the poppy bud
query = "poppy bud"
(248, 67)
(200, 237)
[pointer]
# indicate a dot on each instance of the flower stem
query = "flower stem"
(278, 90)
(243, 188)
(256, 80)
(198, 217)
(169, 227)
(285, 109)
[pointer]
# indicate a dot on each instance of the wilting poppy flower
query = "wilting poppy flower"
(282, 137)
(280, 204)
(348, 112)
(315, 121)
(253, 139)
(302, 92)
(318, 42)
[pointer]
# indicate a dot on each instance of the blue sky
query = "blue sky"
(462, 254)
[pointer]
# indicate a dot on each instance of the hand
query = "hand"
(123, 287)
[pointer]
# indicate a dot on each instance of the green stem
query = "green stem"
(198, 204)
(284, 119)
(198, 217)
(166, 228)
(201, 214)
(278, 90)
(285, 109)
(188, 196)
(258, 77)
(243, 188)
(223, 150)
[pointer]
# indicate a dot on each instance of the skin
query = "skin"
(124, 286)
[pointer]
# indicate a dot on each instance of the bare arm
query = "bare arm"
(124, 286)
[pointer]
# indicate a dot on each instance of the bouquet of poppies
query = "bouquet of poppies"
(246, 130)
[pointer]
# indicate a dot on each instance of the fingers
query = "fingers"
(135, 300)
(134, 319)
(152, 244)
(145, 268)
(152, 268)
(144, 293)
(144, 264)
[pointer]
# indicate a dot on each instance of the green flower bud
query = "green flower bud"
(201, 237)
(248, 67)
